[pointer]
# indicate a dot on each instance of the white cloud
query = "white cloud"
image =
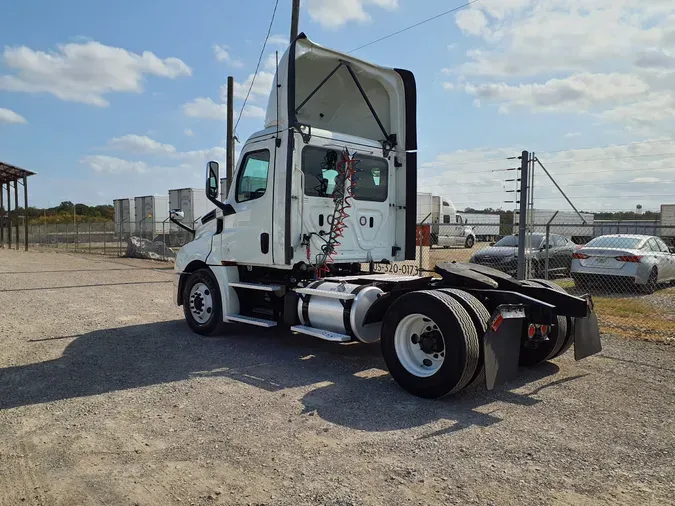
(140, 144)
(332, 14)
(471, 21)
(569, 135)
(566, 56)
(84, 72)
(189, 132)
(9, 116)
(205, 108)
(270, 63)
(578, 92)
(278, 40)
(261, 87)
(222, 55)
(253, 111)
(114, 165)
(606, 178)
(645, 180)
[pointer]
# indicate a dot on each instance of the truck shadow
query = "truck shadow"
(354, 388)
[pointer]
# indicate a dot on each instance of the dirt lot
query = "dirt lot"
(107, 398)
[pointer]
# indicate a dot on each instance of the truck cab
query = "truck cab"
(322, 193)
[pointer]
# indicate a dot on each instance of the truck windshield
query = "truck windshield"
(320, 168)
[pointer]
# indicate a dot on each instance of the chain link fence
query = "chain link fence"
(629, 268)
(157, 240)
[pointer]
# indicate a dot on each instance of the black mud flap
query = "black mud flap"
(502, 344)
(587, 334)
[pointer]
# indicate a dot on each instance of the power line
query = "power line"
(414, 26)
(257, 67)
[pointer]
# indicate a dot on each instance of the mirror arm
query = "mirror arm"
(184, 227)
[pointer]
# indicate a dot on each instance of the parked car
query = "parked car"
(503, 255)
(620, 260)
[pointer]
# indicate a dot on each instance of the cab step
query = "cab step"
(326, 335)
(331, 294)
(255, 286)
(251, 320)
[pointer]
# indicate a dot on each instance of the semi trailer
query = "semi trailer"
(446, 228)
(328, 186)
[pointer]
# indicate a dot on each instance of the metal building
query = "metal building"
(13, 176)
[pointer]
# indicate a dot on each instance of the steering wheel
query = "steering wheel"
(259, 193)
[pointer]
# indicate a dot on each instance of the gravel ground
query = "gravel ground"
(107, 398)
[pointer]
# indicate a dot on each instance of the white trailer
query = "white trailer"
(193, 203)
(485, 226)
(125, 213)
(446, 228)
(330, 185)
(566, 223)
(151, 212)
(668, 223)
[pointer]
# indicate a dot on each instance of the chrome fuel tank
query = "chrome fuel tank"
(340, 315)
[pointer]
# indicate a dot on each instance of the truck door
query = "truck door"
(247, 234)
(371, 222)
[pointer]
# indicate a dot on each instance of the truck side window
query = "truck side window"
(319, 166)
(252, 179)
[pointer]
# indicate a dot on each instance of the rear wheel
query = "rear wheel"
(469, 242)
(480, 317)
(201, 302)
(430, 344)
(652, 282)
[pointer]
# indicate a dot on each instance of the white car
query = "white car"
(618, 260)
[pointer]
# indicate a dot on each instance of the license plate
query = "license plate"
(600, 260)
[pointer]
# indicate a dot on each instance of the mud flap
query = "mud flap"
(502, 344)
(587, 335)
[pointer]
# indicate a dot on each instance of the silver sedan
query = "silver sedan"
(614, 260)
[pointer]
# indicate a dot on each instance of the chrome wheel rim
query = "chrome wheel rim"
(201, 303)
(419, 345)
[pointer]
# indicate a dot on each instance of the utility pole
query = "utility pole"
(295, 16)
(522, 218)
(229, 148)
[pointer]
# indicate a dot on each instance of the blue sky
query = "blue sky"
(107, 100)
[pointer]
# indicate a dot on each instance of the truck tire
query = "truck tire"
(429, 344)
(201, 302)
(469, 242)
(480, 317)
(569, 337)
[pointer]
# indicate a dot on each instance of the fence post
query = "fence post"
(90, 237)
(420, 238)
(522, 217)
(104, 238)
(547, 243)
(121, 227)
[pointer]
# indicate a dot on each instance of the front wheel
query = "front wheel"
(430, 344)
(201, 303)
(469, 242)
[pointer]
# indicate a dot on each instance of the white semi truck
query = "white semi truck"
(447, 228)
(329, 184)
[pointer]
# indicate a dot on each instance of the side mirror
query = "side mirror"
(492, 244)
(212, 180)
(176, 214)
(672, 249)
